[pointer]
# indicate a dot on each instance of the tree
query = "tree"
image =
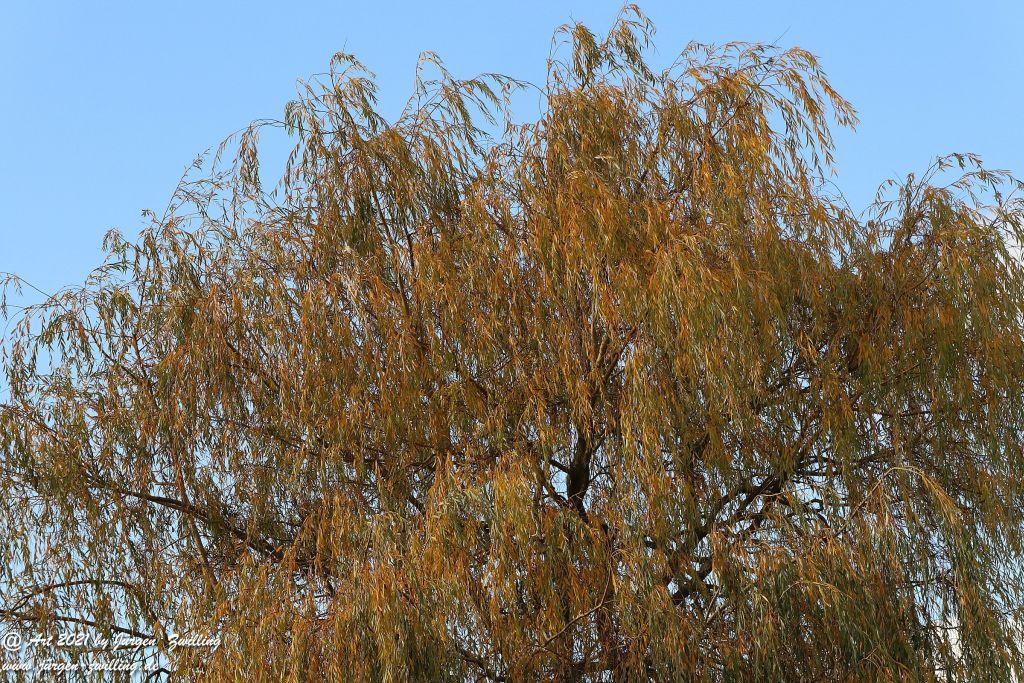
(627, 392)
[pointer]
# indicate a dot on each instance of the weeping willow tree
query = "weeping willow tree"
(625, 392)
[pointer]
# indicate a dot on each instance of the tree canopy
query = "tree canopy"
(623, 392)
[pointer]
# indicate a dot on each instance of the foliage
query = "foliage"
(625, 392)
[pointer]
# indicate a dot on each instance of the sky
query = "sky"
(104, 104)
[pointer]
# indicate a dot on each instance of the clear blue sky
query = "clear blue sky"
(103, 104)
